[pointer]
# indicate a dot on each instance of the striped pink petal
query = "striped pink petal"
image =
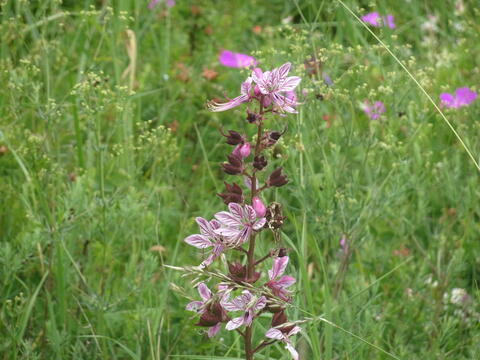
(199, 241)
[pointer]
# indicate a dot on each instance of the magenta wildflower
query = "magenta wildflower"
(462, 97)
(277, 282)
(238, 225)
(153, 3)
(242, 150)
(372, 18)
(344, 243)
(258, 206)
(236, 60)
(376, 20)
(271, 84)
(247, 303)
(207, 238)
(283, 334)
(373, 111)
(243, 98)
(212, 313)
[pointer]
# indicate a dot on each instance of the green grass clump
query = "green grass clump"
(107, 153)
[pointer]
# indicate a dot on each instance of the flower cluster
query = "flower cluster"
(242, 295)
(273, 89)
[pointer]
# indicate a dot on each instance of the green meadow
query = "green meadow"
(108, 153)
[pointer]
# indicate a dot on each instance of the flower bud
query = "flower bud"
(234, 166)
(233, 193)
(277, 178)
(252, 118)
(242, 150)
(234, 137)
(238, 273)
(279, 318)
(259, 162)
(258, 206)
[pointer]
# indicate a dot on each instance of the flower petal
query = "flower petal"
(194, 306)
(234, 323)
(259, 224)
(217, 107)
(204, 291)
(199, 241)
(261, 303)
(273, 333)
(278, 267)
(227, 219)
(205, 228)
(292, 350)
(213, 330)
(237, 211)
(294, 331)
(290, 83)
(286, 281)
(283, 70)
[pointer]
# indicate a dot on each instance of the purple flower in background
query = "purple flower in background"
(153, 3)
(236, 60)
(376, 20)
(373, 111)
(212, 313)
(462, 97)
(246, 303)
(271, 84)
(243, 98)
(258, 206)
(388, 21)
(207, 238)
(238, 224)
(283, 334)
(326, 79)
(277, 282)
(372, 18)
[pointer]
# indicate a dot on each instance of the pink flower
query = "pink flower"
(243, 98)
(462, 97)
(375, 110)
(376, 20)
(271, 84)
(246, 303)
(238, 224)
(344, 244)
(236, 60)
(372, 18)
(277, 282)
(242, 150)
(258, 206)
(153, 3)
(283, 334)
(212, 313)
(207, 238)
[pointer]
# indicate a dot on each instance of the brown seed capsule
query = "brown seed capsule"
(3, 150)
(238, 273)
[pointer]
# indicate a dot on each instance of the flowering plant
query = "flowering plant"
(241, 297)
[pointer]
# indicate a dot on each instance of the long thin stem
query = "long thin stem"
(249, 351)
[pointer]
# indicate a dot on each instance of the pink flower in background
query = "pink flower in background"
(153, 3)
(236, 60)
(373, 111)
(462, 97)
(271, 84)
(246, 303)
(278, 283)
(373, 19)
(388, 21)
(212, 313)
(238, 224)
(207, 238)
(243, 98)
(376, 20)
